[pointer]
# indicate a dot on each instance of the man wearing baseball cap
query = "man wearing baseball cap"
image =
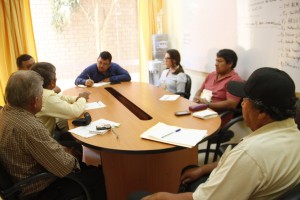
(266, 163)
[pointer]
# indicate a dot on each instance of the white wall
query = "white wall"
(172, 25)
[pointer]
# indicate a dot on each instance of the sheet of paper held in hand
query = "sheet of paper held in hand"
(172, 97)
(206, 94)
(94, 105)
(174, 135)
(90, 130)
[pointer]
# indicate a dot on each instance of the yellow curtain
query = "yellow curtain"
(147, 16)
(16, 37)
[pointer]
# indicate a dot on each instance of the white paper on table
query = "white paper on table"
(81, 86)
(94, 105)
(95, 84)
(100, 84)
(90, 130)
(172, 97)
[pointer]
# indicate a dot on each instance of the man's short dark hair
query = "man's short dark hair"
(229, 56)
(22, 58)
(105, 55)
(46, 70)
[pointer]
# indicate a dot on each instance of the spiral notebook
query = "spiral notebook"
(174, 135)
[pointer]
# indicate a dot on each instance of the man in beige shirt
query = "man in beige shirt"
(57, 106)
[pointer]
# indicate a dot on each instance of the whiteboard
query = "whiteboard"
(264, 33)
(205, 31)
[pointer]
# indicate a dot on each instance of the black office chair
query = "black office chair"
(297, 116)
(187, 93)
(293, 194)
(10, 191)
(222, 135)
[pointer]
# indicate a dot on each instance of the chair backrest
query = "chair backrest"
(297, 117)
(6, 183)
(188, 86)
(293, 194)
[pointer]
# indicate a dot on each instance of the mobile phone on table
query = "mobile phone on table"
(103, 127)
(182, 113)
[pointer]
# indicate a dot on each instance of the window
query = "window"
(113, 28)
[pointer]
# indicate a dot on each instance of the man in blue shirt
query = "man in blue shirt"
(103, 71)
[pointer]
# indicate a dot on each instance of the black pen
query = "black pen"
(112, 130)
(171, 133)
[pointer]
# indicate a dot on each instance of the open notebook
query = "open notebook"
(174, 135)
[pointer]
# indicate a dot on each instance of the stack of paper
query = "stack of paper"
(174, 135)
(205, 114)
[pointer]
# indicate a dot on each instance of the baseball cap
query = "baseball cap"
(268, 87)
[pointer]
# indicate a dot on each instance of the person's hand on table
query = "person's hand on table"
(85, 95)
(202, 100)
(196, 99)
(89, 82)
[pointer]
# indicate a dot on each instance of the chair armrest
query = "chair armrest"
(183, 94)
(232, 122)
(87, 193)
(18, 186)
(223, 114)
(292, 194)
(39, 176)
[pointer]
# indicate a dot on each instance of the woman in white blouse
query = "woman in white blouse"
(173, 79)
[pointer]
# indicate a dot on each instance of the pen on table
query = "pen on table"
(171, 133)
(112, 130)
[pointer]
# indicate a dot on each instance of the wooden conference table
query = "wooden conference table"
(131, 163)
